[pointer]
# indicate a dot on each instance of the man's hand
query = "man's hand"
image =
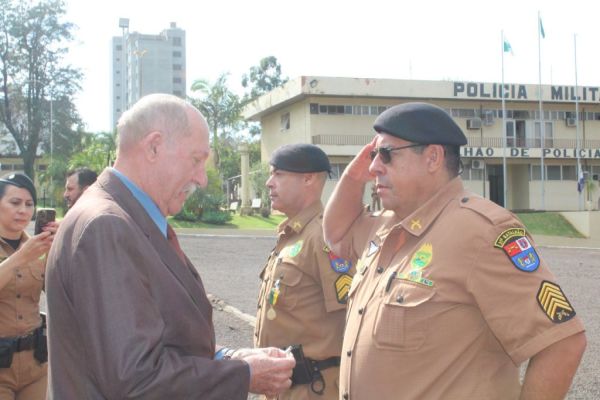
(358, 169)
(270, 369)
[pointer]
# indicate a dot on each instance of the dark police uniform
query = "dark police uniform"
(449, 301)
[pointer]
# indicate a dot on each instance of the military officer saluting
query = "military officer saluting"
(450, 295)
(302, 300)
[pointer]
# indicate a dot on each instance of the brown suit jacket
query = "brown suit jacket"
(127, 318)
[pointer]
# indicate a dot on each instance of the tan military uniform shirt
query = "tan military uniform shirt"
(19, 299)
(303, 295)
(447, 303)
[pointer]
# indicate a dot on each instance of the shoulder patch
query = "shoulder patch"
(518, 248)
(486, 208)
(554, 303)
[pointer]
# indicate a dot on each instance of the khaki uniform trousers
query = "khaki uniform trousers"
(26, 379)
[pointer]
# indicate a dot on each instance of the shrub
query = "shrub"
(216, 217)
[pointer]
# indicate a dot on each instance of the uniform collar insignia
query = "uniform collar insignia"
(372, 248)
(415, 224)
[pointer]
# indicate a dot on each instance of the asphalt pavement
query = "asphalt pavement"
(230, 262)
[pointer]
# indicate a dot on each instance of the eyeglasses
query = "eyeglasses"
(385, 152)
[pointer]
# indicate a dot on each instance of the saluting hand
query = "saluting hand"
(358, 169)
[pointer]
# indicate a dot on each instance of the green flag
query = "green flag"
(507, 47)
(542, 29)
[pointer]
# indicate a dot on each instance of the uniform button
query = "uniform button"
(379, 270)
(346, 396)
(360, 311)
(20, 317)
(464, 199)
(400, 299)
(259, 306)
(19, 275)
(18, 295)
(195, 273)
(349, 353)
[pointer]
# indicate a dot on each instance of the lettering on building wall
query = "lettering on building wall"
(521, 152)
(477, 90)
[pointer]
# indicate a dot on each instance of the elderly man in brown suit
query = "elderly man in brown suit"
(128, 314)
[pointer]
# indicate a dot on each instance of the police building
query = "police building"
(540, 151)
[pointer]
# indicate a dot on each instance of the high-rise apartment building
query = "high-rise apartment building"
(145, 64)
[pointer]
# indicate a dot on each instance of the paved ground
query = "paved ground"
(230, 264)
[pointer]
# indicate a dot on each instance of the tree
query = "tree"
(32, 47)
(263, 78)
(222, 109)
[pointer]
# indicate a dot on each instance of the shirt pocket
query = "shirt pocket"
(399, 323)
(37, 272)
(289, 278)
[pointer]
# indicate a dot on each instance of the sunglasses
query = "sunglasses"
(385, 153)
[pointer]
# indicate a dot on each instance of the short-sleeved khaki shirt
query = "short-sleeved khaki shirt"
(446, 303)
(20, 298)
(303, 297)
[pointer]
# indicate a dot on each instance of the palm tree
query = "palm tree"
(222, 109)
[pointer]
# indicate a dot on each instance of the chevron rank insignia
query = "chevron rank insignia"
(554, 303)
(342, 287)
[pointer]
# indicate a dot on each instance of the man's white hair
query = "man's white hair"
(156, 112)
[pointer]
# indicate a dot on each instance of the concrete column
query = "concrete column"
(246, 208)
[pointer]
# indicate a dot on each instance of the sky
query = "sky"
(395, 39)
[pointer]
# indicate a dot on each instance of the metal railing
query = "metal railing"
(472, 141)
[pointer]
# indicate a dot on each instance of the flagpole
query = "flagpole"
(577, 144)
(542, 123)
(503, 128)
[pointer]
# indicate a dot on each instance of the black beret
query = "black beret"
(301, 158)
(420, 123)
(22, 181)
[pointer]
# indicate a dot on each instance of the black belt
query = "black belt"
(22, 343)
(324, 364)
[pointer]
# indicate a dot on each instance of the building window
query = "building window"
(178, 93)
(285, 121)
(569, 173)
(336, 171)
(553, 172)
(176, 67)
(176, 54)
(536, 172)
(119, 47)
(176, 41)
(314, 108)
(176, 80)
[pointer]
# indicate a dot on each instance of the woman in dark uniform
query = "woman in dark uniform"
(23, 366)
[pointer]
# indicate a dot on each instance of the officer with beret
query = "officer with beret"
(23, 367)
(450, 295)
(303, 295)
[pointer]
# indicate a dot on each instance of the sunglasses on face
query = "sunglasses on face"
(385, 153)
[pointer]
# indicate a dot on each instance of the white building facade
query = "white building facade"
(145, 64)
(337, 114)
